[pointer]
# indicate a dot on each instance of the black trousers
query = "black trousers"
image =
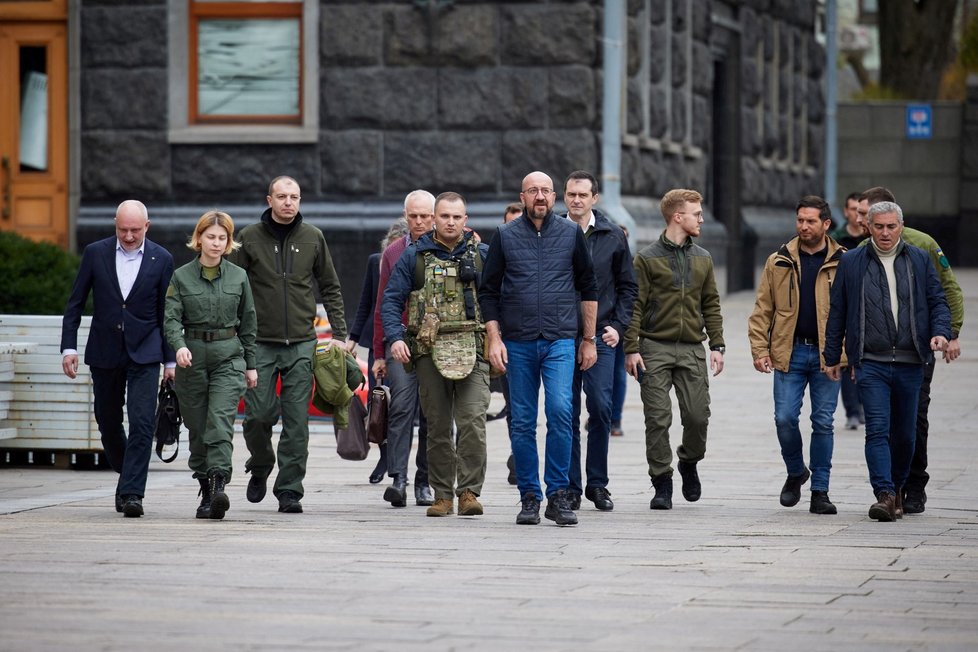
(135, 386)
(918, 465)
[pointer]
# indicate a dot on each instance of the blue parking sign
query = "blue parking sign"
(919, 121)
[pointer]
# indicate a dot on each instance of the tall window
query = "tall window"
(667, 86)
(245, 62)
(243, 71)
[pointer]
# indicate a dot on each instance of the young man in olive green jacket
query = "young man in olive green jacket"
(283, 258)
(678, 307)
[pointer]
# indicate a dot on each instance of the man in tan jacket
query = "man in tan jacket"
(787, 334)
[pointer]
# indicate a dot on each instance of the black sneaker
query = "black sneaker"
(288, 502)
(573, 501)
(821, 504)
(511, 465)
(530, 514)
(132, 506)
(558, 509)
(791, 491)
(601, 498)
(692, 489)
(663, 493)
(914, 501)
(257, 486)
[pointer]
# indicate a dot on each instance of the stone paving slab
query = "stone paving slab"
(732, 571)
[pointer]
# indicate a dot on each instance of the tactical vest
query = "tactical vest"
(444, 317)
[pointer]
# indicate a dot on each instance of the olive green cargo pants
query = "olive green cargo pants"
(293, 364)
(683, 366)
(209, 391)
(451, 469)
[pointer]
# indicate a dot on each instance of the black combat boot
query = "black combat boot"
(204, 510)
(219, 500)
(663, 493)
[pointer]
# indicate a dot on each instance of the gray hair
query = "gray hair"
(883, 207)
(423, 194)
(398, 230)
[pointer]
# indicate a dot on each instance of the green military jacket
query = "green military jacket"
(194, 302)
(284, 277)
(955, 299)
(677, 298)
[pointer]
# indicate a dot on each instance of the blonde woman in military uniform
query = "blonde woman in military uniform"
(211, 324)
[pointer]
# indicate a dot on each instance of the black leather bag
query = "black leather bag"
(380, 398)
(168, 421)
(351, 442)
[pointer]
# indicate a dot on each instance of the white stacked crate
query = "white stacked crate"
(7, 351)
(48, 410)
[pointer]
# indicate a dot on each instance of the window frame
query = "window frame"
(185, 126)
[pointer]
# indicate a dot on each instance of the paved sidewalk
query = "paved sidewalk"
(733, 571)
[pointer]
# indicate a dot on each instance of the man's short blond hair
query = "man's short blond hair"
(675, 200)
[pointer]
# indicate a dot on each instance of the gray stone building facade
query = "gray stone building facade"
(724, 96)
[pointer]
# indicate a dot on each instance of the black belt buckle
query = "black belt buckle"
(807, 341)
(209, 336)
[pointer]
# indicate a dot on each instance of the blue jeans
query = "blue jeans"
(135, 386)
(554, 362)
(789, 394)
(889, 393)
(598, 383)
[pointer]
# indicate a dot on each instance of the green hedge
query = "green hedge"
(35, 277)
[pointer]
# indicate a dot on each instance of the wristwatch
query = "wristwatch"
(593, 339)
(722, 350)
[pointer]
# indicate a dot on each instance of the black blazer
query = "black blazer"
(362, 331)
(133, 325)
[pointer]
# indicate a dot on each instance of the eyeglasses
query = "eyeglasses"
(538, 191)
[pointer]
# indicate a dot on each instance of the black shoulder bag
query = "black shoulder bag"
(168, 421)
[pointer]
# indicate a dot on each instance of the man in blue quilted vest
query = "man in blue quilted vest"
(536, 267)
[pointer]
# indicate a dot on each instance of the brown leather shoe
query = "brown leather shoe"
(469, 505)
(884, 507)
(898, 503)
(441, 507)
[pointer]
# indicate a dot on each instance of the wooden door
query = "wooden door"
(34, 130)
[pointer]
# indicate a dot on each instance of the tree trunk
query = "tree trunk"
(916, 39)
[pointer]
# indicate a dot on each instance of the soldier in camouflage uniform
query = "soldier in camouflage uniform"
(438, 276)
(210, 322)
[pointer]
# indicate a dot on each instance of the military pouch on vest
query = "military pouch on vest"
(454, 354)
(428, 332)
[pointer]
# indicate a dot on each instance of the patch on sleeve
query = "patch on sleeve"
(169, 290)
(942, 259)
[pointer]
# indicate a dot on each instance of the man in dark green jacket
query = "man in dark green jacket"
(678, 307)
(285, 259)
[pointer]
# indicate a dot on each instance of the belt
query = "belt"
(210, 336)
(807, 341)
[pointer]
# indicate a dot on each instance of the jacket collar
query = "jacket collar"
(790, 250)
(266, 219)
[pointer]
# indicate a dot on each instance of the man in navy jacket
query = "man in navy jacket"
(128, 276)
(617, 289)
(888, 304)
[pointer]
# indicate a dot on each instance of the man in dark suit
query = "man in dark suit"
(128, 276)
